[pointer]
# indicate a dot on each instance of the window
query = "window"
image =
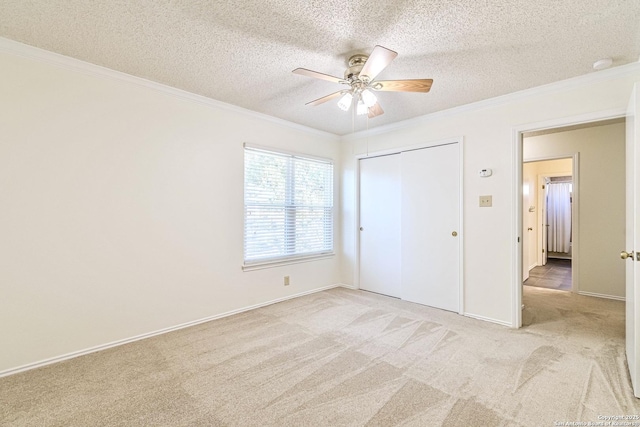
(288, 206)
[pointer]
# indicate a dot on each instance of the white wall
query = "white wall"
(122, 204)
(122, 210)
(601, 199)
(488, 130)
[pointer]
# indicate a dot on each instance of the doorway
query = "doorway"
(630, 136)
(598, 143)
(548, 231)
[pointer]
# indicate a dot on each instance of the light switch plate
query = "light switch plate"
(485, 201)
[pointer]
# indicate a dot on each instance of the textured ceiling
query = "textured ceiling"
(242, 52)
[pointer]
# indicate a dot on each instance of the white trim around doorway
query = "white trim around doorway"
(516, 211)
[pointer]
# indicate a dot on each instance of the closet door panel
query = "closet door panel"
(380, 225)
(430, 264)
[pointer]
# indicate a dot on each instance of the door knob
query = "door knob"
(625, 255)
(454, 234)
(361, 228)
(530, 229)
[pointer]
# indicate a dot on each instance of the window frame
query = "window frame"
(289, 207)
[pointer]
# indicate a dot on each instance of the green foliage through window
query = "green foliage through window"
(288, 206)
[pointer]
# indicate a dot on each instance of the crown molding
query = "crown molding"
(562, 85)
(13, 47)
(33, 53)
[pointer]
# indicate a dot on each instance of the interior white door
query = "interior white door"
(380, 249)
(633, 240)
(430, 226)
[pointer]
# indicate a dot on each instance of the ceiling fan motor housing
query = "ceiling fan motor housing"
(356, 62)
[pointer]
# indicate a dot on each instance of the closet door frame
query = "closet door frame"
(455, 140)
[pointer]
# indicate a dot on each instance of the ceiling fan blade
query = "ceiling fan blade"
(415, 85)
(375, 110)
(378, 60)
(325, 98)
(317, 75)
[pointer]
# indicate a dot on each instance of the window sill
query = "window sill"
(280, 262)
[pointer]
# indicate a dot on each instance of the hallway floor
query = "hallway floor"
(555, 275)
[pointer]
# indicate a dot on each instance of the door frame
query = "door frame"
(542, 179)
(385, 152)
(575, 210)
(516, 211)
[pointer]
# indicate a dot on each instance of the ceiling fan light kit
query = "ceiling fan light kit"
(360, 77)
(368, 98)
(345, 101)
(362, 109)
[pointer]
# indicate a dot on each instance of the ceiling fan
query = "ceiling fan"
(360, 77)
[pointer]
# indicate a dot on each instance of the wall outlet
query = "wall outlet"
(286, 280)
(485, 201)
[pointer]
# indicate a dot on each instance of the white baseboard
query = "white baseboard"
(56, 359)
(352, 287)
(488, 319)
(593, 294)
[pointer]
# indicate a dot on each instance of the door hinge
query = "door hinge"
(543, 251)
(543, 186)
(518, 240)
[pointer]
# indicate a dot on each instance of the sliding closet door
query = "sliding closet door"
(380, 224)
(430, 226)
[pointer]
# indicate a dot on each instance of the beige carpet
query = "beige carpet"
(343, 357)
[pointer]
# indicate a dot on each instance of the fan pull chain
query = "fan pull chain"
(367, 135)
(353, 120)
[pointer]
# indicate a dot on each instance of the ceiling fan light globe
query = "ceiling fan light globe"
(345, 101)
(369, 98)
(362, 108)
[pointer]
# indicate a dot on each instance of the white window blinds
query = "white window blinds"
(288, 206)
